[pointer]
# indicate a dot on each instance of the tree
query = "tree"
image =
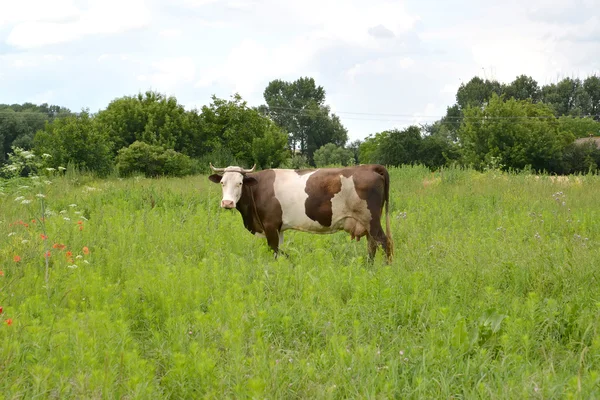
(247, 134)
(299, 108)
(592, 87)
(78, 140)
(514, 133)
(523, 88)
(579, 127)
(477, 92)
(152, 161)
(398, 147)
(330, 154)
(567, 97)
(17, 128)
(151, 118)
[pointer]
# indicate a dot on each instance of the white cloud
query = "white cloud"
(171, 33)
(170, 72)
(379, 66)
(101, 17)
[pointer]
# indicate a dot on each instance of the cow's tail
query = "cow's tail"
(386, 201)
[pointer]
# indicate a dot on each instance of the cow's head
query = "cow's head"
(232, 180)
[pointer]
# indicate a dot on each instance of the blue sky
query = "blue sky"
(383, 65)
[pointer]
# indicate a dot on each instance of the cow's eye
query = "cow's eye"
(239, 183)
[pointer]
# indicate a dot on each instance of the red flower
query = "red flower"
(79, 222)
(33, 221)
(59, 246)
(1, 310)
(69, 254)
(16, 258)
(48, 254)
(44, 237)
(86, 251)
(9, 322)
(80, 227)
(1, 273)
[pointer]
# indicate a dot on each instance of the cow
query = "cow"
(322, 200)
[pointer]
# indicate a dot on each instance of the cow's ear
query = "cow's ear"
(216, 178)
(249, 181)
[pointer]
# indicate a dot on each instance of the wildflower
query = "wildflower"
(72, 266)
(12, 233)
(48, 254)
(1, 273)
(26, 201)
(59, 246)
(9, 322)
(48, 182)
(19, 198)
(80, 227)
(62, 169)
(40, 195)
(46, 155)
(16, 258)
(33, 221)
(50, 169)
(1, 310)
(44, 237)
(86, 251)
(24, 241)
(66, 218)
(69, 254)
(72, 205)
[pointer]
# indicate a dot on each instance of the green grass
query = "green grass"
(493, 293)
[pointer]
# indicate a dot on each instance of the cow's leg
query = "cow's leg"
(377, 237)
(274, 240)
(372, 247)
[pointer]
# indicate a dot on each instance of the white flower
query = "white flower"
(28, 155)
(72, 205)
(19, 198)
(78, 212)
(24, 241)
(26, 201)
(12, 233)
(46, 155)
(63, 212)
(40, 195)
(23, 187)
(78, 256)
(86, 261)
(48, 182)
(61, 168)
(72, 266)
(50, 169)
(66, 218)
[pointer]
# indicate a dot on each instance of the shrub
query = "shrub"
(152, 160)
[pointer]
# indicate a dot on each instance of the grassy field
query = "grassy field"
(152, 291)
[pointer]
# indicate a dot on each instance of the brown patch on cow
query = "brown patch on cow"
(321, 187)
(260, 209)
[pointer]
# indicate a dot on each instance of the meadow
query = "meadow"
(144, 288)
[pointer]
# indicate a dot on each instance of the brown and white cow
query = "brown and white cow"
(324, 200)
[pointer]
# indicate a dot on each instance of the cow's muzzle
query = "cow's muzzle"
(227, 204)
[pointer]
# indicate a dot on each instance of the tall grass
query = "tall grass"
(493, 293)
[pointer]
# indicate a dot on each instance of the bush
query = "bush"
(330, 155)
(152, 160)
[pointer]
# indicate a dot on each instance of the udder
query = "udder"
(354, 228)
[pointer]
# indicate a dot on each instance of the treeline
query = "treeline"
(509, 126)
(491, 125)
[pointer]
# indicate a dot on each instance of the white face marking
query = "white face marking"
(231, 182)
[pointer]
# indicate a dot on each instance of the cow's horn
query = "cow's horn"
(246, 171)
(216, 169)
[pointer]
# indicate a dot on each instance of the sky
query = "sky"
(383, 64)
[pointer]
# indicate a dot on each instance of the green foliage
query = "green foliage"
(78, 140)
(492, 294)
(367, 151)
(247, 134)
(332, 155)
(579, 127)
(152, 118)
(152, 161)
(21, 163)
(299, 108)
(516, 133)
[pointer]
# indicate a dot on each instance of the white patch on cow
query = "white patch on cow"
(347, 207)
